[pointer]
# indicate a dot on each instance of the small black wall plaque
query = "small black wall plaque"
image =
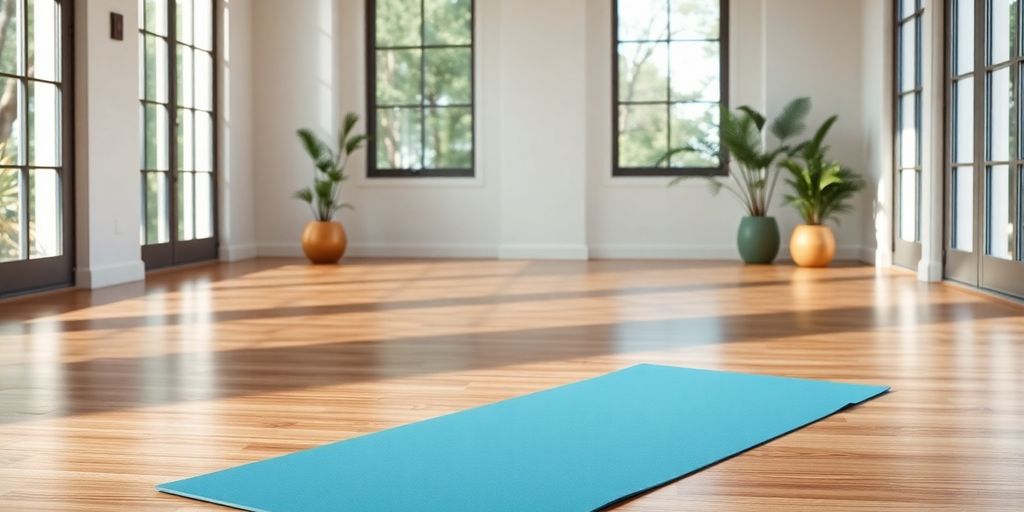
(116, 26)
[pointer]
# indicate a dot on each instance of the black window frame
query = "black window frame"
(36, 274)
(372, 169)
(723, 158)
(175, 252)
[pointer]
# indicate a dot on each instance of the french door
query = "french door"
(983, 182)
(36, 239)
(177, 103)
(909, 88)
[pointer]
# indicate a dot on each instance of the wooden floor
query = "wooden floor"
(105, 394)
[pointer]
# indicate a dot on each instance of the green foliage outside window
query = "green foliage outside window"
(423, 84)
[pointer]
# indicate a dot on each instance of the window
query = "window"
(34, 146)
(670, 83)
(176, 90)
(420, 94)
(908, 120)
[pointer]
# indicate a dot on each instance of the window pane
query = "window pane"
(203, 24)
(155, 137)
(44, 42)
(694, 19)
(204, 142)
(10, 121)
(186, 144)
(448, 21)
(44, 122)
(204, 81)
(908, 131)
(1004, 30)
(11, 231)
(44, 213)
(398, 22)
(1000, 214)
(964, 36)
(908, 56)
(643, 135)
(185, 79)
(908, 205)
(695, 71)
(399, 144)
(186, 203)
(1002, 128)
(963, 209)
(184, 20)
(155, 67)
(157, 224)
(398, 77)
(695, 125)
(449, 76)
(156, 16)
(449, 138)
(907, 7)
(204, 205)
(963, 90)
(11, 39)
(643, 71)
(643, 20)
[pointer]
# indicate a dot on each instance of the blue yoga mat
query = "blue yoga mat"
(582, 446)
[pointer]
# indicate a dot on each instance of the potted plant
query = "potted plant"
(753, 173)
(323, 239)
(821, 189)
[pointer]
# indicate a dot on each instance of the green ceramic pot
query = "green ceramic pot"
(758, 239)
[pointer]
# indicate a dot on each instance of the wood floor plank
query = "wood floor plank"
(104, 394)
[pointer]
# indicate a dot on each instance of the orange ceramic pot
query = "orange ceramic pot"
(324, 242)
(812, 246)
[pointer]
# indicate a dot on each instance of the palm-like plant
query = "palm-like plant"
(753, 174)
(329, 172)
(821, 188)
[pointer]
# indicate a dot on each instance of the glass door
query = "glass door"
(35, 113)
(983, 184)
(178, 137)
(907, 239)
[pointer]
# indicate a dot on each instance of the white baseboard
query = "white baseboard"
(697, 252)
(475, 251)
(663, 252)
(883, 258)
(279, 250)
(929, 271)
(239, 252)
(110, 275)
(294, 250)
(544, 252)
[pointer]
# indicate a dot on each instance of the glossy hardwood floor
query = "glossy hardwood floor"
(105, 394)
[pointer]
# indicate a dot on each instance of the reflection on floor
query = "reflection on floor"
(103, 394)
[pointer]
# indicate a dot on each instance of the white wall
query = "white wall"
(543, 187)
(876, 83)
(237, 190)
(107, 197)
(107, 131)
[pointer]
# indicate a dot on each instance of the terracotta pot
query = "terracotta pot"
(324, 242)
(812, 246)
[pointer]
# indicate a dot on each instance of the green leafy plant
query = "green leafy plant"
(753, 170)
(329, 169)
(821, 188)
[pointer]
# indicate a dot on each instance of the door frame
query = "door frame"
(907, 254)
(174, 252)
(977, 268)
